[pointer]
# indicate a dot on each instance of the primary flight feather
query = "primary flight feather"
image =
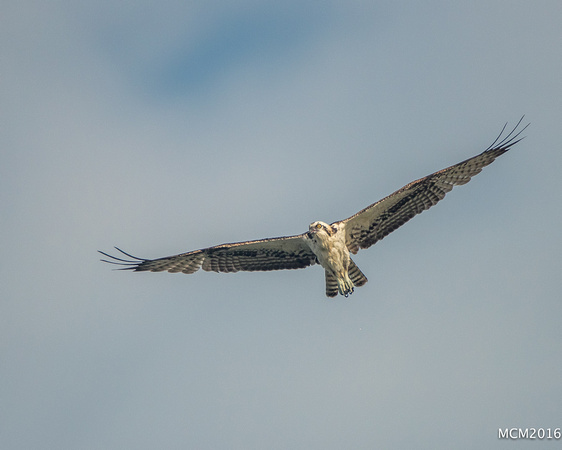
(329, 245)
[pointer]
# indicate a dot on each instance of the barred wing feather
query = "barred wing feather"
(289, 252)
(383, 217)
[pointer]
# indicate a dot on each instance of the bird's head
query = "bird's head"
(321, 229)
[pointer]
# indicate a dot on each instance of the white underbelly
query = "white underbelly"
(332, 256)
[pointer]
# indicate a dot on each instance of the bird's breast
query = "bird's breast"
(331, 251)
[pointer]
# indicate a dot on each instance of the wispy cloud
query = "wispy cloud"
(192, 58)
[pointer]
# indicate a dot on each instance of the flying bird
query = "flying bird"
(329, 245)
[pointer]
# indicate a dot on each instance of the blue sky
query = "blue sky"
(163, 127)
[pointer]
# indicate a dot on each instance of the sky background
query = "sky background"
(168, 126)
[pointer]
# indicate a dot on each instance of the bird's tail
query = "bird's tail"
(331, 284)
(358, 278)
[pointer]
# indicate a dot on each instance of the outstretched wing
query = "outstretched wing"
(383, 217)
(289, 252)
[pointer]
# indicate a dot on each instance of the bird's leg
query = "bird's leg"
(345, 286)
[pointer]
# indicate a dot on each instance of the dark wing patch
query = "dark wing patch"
(262, 255)
(383, 217)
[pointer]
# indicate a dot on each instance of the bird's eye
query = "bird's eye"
(318, 225)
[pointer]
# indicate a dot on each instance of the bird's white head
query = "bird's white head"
(320, 229)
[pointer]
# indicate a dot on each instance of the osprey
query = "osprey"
(329, 245)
